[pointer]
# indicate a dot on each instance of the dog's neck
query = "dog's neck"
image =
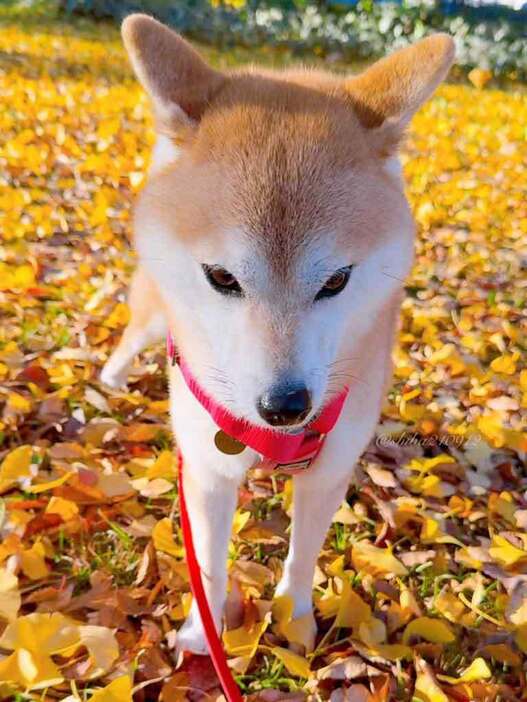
(279, 449)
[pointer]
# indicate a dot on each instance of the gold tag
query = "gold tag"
(227, 444)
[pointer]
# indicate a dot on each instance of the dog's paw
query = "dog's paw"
(309, 632)
(302, 613)
(112, 379)
(191, 638)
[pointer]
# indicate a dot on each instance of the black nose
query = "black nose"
(281, 406)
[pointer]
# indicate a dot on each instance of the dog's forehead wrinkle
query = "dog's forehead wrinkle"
(287, 278)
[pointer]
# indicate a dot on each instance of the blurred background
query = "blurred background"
(490, 36)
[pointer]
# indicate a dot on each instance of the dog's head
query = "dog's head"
(274, 218)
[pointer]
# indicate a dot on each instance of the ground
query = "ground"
(421, 589)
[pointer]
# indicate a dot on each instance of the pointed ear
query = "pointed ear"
(178, 81)
(386, 96)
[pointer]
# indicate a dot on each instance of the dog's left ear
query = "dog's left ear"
(386, 96)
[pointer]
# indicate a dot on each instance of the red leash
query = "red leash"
(230, 689)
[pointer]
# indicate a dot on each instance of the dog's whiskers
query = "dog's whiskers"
(224, 386)
(394, 277)
(346, 376)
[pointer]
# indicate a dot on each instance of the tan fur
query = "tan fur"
(280, 156)
(282, 164)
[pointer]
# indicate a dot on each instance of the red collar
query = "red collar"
(279, 448)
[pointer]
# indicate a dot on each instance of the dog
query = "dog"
(273, 239)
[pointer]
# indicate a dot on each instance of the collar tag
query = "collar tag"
(228, 444)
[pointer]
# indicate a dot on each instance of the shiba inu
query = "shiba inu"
(273, 238)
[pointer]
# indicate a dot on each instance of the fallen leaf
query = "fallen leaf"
(163, 538)
(65, 508)
(295, 664)
(10, 599)
(119, 690)
(427, 688)
(478, 670)
(433, 630)
(15, 466)
(376, 561)
(244, 640)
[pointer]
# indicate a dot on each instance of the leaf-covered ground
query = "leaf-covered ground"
(421, 589)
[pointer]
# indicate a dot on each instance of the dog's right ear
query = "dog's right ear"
(178, 81)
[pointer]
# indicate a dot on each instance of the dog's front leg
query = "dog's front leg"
(211, 503)
(210, 482)
(317, 495)
(147, 326)
(312, 512)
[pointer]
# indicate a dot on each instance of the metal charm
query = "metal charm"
(228, 444)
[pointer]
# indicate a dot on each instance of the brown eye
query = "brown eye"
(335, 284)
(221, 280)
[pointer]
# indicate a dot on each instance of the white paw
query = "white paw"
(191, 638)
(309, 631)
(112, 379)
(306, 625)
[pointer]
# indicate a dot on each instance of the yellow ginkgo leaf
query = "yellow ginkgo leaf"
(10, 599)
(181, 610)
(491, 426)
(449, 606)
(18, 403)
(244, 640)
(67, 509)
(345, 515)
(478, 670)
(118, 317)
(30, 670)
(433, 630)
(426, 465)
(427, 485)
(393, 652)
(240, 519)
(376, 561)
(50, 484)
(163, 538)
(336, 567)
(299, 630)
(164, 467)
(16, 465)
(102, 648)
(42, 632)
(282, 609)
(328, 604)
(505, 364)
(119, 690)
(426, 686)
(372, 632)
(505, 553)
(295, 664)
(33, 561)
(352, 611)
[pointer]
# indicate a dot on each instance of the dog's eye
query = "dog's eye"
(335, 284)
(221, 280)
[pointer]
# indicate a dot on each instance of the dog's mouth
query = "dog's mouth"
(301, 426)
(292, 431)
